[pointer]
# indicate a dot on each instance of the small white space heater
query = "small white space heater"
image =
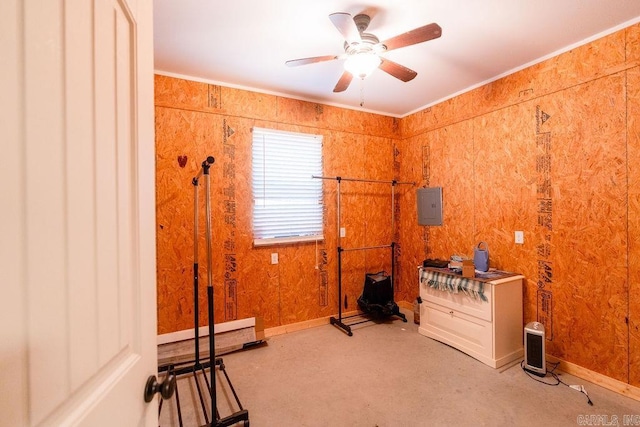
(534, 356)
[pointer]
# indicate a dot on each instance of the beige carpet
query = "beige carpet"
(387, 374)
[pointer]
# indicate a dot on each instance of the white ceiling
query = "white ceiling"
(245, 43)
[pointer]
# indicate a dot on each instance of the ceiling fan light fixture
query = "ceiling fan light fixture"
(362, 64)
(362, 50)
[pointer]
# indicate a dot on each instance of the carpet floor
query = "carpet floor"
(387, 374)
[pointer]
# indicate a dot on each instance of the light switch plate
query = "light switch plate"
(519, 237)
(274, 258)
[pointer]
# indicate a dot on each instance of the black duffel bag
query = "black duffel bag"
(377, 295)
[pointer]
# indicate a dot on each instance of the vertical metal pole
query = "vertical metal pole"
(208, 237)
(393, 210)
(212, 357)
(339, 254)
(338, 213)
(393, 269)
(196, 322)
(393, 237)
(212, 353)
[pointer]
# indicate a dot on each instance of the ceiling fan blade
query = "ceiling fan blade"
(418, 35)
(344, 82)
(347, 27)
(312, 60)
(396, 70)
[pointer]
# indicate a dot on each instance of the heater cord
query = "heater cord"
(558, 380)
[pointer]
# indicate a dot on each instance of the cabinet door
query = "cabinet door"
(466, 333)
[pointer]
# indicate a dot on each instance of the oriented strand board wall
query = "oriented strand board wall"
(550, 150)
(633, 159)
(194, 120)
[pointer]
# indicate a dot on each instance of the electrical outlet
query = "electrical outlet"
(343, 232)
(520, 237)
(274, 258)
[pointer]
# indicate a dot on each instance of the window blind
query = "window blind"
(287, 201)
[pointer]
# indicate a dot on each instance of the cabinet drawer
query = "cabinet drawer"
(460, 302)
(466, 333)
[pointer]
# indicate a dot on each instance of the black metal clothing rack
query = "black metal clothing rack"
(196, 366)
(340, 320)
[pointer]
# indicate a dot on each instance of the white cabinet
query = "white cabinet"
(489, 330)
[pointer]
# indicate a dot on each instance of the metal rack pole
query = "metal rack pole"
(365, 248)
(212, 346)
(339, 254)
(341, 178)
(393, 211)
(204, 170)
(393, 237)
(196, 322)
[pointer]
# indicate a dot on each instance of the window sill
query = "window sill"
(287, 240)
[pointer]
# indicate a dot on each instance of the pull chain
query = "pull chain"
(361, 92)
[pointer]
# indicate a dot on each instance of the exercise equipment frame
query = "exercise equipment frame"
(339, 321)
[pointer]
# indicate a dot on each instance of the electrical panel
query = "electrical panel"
(429, 206)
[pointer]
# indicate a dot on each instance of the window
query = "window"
(287, 201)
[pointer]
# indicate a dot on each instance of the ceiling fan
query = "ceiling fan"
(362, 51)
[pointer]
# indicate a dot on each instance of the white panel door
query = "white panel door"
(77, 222)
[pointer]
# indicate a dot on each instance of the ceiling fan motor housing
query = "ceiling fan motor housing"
(362, 22)
(369, 43)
